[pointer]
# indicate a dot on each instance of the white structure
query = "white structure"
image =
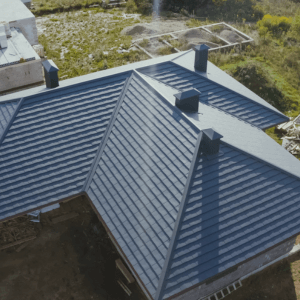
(27, 3)
(20, 65)
(18, 15)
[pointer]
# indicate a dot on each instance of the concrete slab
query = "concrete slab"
(18, 15)
(17, 48)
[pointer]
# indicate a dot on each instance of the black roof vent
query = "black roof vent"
(51, 75)
(210, 143)
(188, 100)
(201, 57)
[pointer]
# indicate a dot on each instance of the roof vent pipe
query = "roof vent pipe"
(210, 143)
(51, 76)
(188, 101)
(201, 57)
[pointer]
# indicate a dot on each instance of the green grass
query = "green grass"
(42, 7)
(91, 31)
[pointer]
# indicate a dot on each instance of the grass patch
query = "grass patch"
(165, 50)
(88, 32)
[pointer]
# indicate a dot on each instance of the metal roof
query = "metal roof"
(215, 95)
(50, 146)
(178, 218)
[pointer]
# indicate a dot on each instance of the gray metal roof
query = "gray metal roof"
(139, 181)
(178, 218)
(236, 207)
(51, 143)
(7, 111)
(215, 95)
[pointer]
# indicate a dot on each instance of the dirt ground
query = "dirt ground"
(70, 260)
(280, 281)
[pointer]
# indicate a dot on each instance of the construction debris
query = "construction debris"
(124, 271)
(16, 231)
(124, 287)
(291, 140)
(34, 216)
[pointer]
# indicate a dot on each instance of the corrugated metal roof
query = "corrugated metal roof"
(139, 181)
(50, 146)
(215, 94)
(237, 206)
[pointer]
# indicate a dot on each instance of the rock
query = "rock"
(105, 52)
(91, 56)
(119, 51)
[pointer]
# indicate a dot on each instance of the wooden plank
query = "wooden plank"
(18, 242)
(65, 217)
(22, 247)
(124, 287)
(124, 271)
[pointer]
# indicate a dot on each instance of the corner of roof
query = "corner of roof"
(2, 137)
(105, 137)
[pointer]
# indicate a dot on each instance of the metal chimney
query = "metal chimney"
(210, 143)
(188, 100)
(201, 57)
(51, 75)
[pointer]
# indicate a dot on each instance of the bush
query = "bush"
(131, 6)
(274, 25)
(295, 28)
(257, 80)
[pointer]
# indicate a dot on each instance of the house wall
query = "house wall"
(249, 266)
(22, 74)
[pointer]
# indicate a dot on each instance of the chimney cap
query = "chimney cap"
(186, 94)
(50, 66)
(212, 134)
(201, 47)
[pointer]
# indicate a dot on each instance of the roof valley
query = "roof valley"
(168, 260)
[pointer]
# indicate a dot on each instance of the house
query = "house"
(193, 194)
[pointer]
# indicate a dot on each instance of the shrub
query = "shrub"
(274, 24)
(254, 77)
(131, 6)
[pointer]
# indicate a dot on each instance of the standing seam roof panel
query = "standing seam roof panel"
(214, 94)
(140, 178)
(7, 111)
(237, 207)
(50, 146)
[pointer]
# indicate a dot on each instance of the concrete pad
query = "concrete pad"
(18, 15)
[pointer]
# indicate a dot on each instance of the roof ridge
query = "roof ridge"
(260, 159)
(212, 106)
(162, 279)
(174, 107)
(220, 85)
(106, 134)
(11, 120)
(78, 84)
(210, 80)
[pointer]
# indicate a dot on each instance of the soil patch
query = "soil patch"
(195, 37)
(280, 281)
(231, 36)
(72, 259)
